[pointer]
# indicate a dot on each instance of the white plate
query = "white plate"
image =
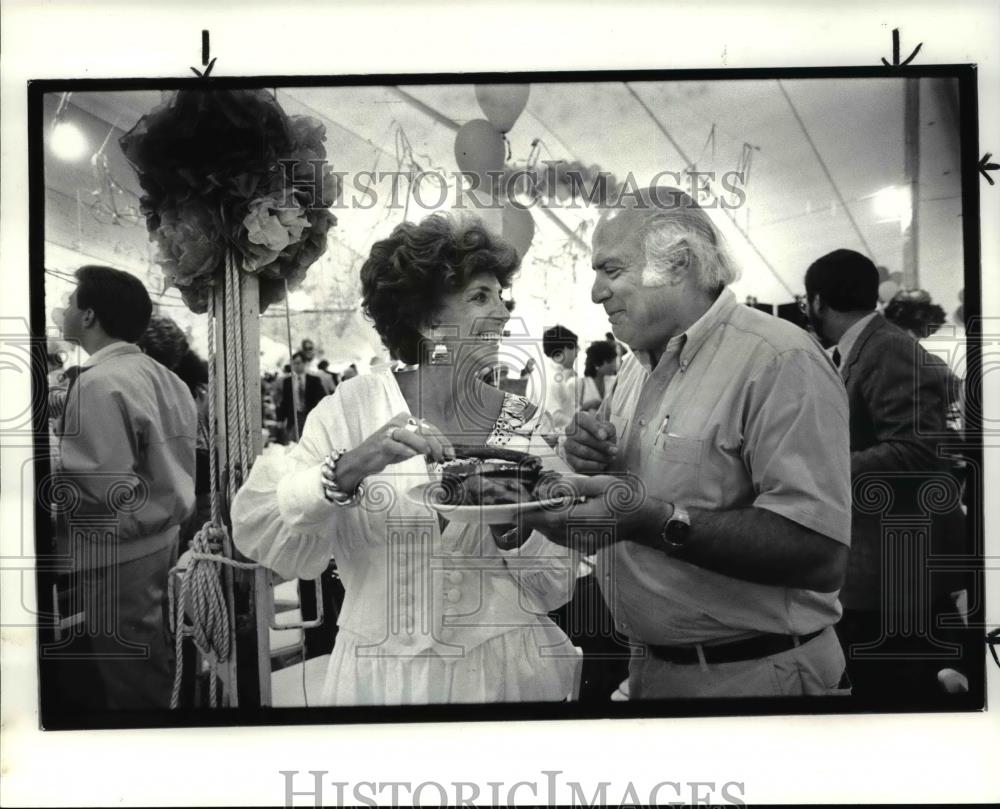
(487, 515)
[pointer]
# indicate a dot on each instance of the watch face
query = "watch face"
(676, 531)
(509, 540)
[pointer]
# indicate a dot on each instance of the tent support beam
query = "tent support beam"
(688, 166)
(911, 141)
(826, 171)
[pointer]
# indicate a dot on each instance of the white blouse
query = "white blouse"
(590, 393)
(429, 615)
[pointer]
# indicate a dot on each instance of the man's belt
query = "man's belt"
(737, 650)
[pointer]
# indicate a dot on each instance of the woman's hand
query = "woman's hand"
(399, 439)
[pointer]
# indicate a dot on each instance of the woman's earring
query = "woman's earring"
(439, 354)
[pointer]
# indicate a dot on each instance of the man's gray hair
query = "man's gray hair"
(676, 233)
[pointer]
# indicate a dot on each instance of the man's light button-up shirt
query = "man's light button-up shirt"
(760, 420)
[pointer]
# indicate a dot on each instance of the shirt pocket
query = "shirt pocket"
(678, 449)
(673, 469)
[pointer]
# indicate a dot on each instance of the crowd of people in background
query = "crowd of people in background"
(557, 382)
(288, 395)
(560, 384)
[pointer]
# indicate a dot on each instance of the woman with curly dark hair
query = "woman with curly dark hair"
(916, 314)
(433, 612)
(913, 311)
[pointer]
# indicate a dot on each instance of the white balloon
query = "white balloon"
(503, 103)
(479, 149)
(518, 228)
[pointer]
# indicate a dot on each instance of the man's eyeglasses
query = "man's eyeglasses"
(800, 301)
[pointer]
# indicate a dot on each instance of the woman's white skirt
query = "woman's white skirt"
(527, 664)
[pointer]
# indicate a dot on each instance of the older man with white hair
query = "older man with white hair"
(723, 456)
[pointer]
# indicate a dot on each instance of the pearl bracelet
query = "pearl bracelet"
(331, 490)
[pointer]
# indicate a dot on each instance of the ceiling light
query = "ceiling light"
(67, 141)
(299, 301)
(892, 204)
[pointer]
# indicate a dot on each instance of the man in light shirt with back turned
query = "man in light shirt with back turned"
(127, 441)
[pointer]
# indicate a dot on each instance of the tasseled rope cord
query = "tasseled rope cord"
(240, 448)
(210, 620)
(230, 347)
(244, 446)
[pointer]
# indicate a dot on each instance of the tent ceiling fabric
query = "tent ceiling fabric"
(791, 212)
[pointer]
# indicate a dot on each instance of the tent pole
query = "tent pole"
(911, 139)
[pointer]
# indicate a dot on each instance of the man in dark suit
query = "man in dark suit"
(301, 392)
(905, 495)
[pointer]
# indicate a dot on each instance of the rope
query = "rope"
(229, 349)
(212, 447)
(238, 456)
(210, 626)
(246, 391)
(236, 392)
(244, 444)
(201, 584)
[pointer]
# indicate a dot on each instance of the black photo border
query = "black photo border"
(974, 700)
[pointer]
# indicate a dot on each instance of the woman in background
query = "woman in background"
(166, 343)
(914, 312)
(598, 373)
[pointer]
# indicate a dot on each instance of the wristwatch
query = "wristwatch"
(509, 540)
(676, 530)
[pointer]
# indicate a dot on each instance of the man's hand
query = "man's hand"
(616, 499)
(590, 444)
